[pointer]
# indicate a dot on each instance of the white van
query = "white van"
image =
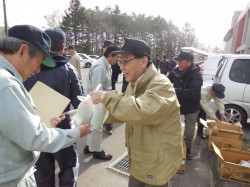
(210, 66)
(234, 73)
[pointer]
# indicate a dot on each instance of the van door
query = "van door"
(246, 96)
(220, 70)
(238, 76)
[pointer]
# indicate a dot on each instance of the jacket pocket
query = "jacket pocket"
(145, 165)
(144, 157)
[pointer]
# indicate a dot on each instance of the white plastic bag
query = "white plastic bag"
(98, 116)
(182, 125)
(245, 163)
(84, 112)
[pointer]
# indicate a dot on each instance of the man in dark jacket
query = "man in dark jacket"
(187, 81)
(64, 79)
(156, 61)
(164, 65)
(172, 63)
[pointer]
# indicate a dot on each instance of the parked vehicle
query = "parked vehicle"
(210, 66)
(86, 60)
(234, 73)
(94, 56)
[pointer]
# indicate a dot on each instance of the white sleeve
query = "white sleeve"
(21, 125)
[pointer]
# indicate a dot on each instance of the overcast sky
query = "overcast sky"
(211, 19)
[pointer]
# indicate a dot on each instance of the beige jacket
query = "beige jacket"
(206, 98)
(75, 60)
(150, 110)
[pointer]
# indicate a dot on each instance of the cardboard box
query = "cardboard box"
(224, 143)
(183, 164)
(226, 130)
(223, 134)
(228, 165)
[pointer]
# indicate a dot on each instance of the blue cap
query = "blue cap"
(71, 47)
(184, 55)
(219, 90)
(36, 37)
(57, 35)
(107, 43)
(134, 46)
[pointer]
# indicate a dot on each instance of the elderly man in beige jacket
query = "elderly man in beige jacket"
(209, 92)
(151, 111)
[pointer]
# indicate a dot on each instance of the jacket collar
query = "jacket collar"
(10, 68)
(146, 77)
(105, 61)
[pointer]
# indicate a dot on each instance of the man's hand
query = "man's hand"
(85, 130)
(96, 96)
(55, 120)
(224, 118)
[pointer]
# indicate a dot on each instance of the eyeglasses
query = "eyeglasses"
(124, 62)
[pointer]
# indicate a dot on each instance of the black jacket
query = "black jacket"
(188, 88)
(164, 65)
(62, 78)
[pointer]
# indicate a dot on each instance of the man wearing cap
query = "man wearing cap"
(106, 43)
(75, 60)
(114, 76)
(150, 109)
(100, 73)
(62, 78)
(209, 92)
(22, 135)
(187, 81)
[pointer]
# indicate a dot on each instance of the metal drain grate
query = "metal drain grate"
(120, 165)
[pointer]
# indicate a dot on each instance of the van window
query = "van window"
(240, 70)
(219, 69)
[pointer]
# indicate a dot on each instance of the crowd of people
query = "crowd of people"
(150, 104)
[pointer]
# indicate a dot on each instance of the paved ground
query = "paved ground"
(201, 171)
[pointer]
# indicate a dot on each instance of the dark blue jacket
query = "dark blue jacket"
(62, 78)
(188, 88)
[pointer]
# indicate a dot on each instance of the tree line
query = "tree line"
(88, 28)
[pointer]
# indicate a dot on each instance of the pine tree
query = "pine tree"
(74, 23)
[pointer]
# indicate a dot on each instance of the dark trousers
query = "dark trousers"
(67, 159)
(202, 115)
(114, 79)
(133, 182)
(124, 84)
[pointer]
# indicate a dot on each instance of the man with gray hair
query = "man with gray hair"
(62, 78)
(22, 135)
(187, 81)
(100, 73)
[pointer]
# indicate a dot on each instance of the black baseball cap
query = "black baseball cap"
(36, 37)
(107, 43)
(134, 46)
(184, 55)
(56, 35)
(71, 47)
(219, 90)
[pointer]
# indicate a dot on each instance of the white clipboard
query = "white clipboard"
(49, 102)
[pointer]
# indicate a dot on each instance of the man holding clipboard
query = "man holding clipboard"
(64, 79)
(22, 135)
